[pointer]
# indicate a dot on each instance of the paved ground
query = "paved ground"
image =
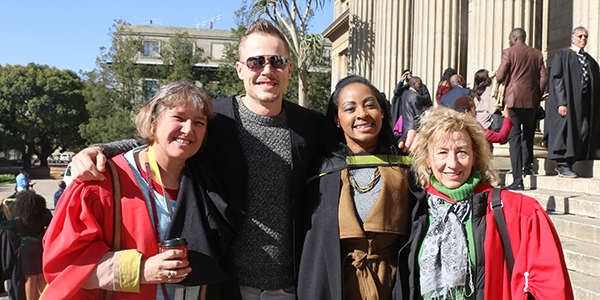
(45, 187)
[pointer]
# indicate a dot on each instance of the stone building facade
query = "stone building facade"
(378, 39)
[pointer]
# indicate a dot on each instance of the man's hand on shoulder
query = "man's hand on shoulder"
(88, 165)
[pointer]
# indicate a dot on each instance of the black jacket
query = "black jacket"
(224, 149)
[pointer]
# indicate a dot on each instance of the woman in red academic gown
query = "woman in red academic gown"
(159, 188)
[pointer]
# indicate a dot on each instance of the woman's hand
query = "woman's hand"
(505, 112)
(407, 143)
(157, 268)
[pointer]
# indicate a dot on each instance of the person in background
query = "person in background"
(456, 251)
(573, 107)
(402, 86)
(444, 84)
(61, 188)
(458, 90)
(412, 106)
(466, 105)
(23, 182)
(358, 206)
(165, 194)
(523, 71)
(484, 103)
(31, 217)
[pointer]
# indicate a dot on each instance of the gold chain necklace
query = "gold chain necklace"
(368, 187)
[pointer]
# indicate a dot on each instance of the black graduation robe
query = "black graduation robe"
(563, 134)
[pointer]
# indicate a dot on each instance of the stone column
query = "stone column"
(361, 39)
(393, 26)
(490, 24)
(439, 39)
(585, 13)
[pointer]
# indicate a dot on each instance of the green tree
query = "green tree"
(293, 19)
(120, 86)
(179, 57)
(41, 109)
(114, 91)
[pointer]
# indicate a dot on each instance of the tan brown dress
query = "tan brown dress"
(370, 252)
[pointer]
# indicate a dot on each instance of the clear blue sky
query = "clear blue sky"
(68, 34)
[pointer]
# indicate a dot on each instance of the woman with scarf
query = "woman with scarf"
(456, 250)
(165, 195)
(358, 205)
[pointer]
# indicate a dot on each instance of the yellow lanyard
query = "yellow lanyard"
(154, 165)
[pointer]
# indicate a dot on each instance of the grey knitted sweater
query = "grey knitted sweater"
(263, 250)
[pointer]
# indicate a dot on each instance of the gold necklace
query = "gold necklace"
(368, 187)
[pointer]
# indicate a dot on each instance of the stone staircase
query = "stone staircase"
(574, 207)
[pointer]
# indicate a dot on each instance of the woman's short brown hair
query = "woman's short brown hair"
(175, 94)
(440, 123)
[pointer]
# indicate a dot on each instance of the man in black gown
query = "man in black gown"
(572, 119)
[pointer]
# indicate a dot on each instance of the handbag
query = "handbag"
(497, 120)
(540, 113)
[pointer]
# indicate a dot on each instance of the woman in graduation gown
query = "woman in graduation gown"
(456, 249)
(358, 203)
(164, 196)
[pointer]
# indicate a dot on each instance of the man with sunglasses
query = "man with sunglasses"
(261, 147)
(523, 71)
(572, 128)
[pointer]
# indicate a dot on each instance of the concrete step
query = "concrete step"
(567, 202)
(585, 287)
(579, 185)
(581, 256)
(577, 227)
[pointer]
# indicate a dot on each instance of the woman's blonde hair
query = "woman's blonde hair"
(175, 94)
(439, 124)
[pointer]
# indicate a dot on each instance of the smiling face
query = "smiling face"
(360, 116)
(580, 38)
(267, 84)
(451, 158)
(178, 133)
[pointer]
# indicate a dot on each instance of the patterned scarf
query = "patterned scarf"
(445, 260)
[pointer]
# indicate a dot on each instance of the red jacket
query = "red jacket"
(82, 231)
(535, 244)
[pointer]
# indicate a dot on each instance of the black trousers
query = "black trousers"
(521, 151)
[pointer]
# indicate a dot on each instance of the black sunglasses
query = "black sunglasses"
(582, 36)
(258, 61)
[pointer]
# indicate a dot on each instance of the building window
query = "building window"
(151, 48)
(149, 88)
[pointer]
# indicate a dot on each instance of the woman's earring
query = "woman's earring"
(338, 126)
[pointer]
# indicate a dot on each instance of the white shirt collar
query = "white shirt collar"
(577, 49)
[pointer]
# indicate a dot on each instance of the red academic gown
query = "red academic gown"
(539, 269)
(81, 232)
